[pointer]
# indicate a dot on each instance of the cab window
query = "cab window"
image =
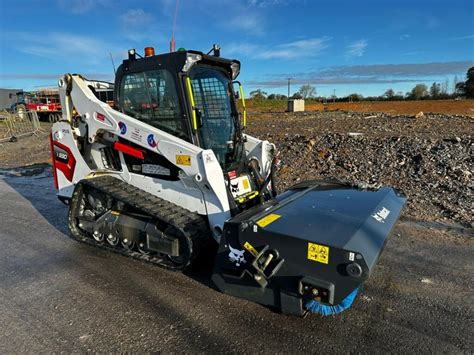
(151, 97)
(212, 96)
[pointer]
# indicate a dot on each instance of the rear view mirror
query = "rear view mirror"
(198, 117)
(236, 89)
(239, 94)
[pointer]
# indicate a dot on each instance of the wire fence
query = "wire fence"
(16, 125)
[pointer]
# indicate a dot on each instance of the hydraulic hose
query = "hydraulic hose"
(255, 169)
(270, 178)
(273, 169)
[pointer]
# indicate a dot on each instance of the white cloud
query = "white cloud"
(371, 74)
(265, 3)
(51, 76)
(404, 36)
(139, 26)
(460, 38)
(62, 46)
(251, 23)
(356, 49)
(80, 7)
(291, 50)
(136, 18)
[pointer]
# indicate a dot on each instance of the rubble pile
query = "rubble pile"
(435, 172)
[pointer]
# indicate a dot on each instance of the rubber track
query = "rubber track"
(190, 224)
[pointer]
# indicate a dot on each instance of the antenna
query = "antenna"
(113, 64)
(172, 43)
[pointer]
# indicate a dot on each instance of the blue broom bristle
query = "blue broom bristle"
(325, 310)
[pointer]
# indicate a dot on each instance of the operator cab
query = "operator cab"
(188, 94)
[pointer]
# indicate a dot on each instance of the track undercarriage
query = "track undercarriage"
(110, 214)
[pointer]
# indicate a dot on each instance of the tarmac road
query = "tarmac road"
(59, 295)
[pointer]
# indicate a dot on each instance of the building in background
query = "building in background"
(8, 98)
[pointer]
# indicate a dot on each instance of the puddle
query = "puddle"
(36, 171)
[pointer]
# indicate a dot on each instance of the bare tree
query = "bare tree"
(435, 90)
(355, 97)
(418, 92)
(307, 91)
(445, 86)
(276, 97)
(389, 94)
(455, 82)
(258, 94)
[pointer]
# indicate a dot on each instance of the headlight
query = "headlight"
(191, 58)
(235, 66)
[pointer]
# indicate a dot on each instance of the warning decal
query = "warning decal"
(318, 253)
(183, 160)
(265, 221)
(250, 249)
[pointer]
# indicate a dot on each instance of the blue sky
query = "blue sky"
(346, 46)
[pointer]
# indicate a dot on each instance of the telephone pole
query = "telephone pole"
(289, 79)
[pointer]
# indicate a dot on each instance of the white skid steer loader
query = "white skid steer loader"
(168, 172)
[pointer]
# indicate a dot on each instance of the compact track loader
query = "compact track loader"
(168, 173)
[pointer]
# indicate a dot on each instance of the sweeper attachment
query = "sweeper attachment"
(167, 174)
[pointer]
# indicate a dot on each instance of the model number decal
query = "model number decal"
(61, 155)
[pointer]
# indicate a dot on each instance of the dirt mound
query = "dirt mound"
(435, 174)
(429, 159)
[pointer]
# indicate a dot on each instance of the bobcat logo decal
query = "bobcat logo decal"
(234, 187)
(236, 256)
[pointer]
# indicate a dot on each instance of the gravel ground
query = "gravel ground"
(57, 295)
(27, 150)
(429, 159)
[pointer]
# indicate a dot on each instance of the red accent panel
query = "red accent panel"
(126, 149)
(66, 167)
(100, 117)
(53, 161)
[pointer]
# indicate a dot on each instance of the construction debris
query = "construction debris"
(431, 161)
(420, 115)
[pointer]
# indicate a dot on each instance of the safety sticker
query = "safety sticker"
(319, 253)
(265, 221)
(250, 249)
(183, 160)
